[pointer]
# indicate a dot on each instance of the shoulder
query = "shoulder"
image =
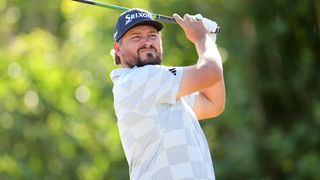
(142, 72)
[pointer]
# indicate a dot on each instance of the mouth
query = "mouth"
(147, 50)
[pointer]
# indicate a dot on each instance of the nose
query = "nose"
(146, 40)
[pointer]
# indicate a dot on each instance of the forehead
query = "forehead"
(141, 29)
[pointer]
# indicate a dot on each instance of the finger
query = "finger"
(187, 17)
(179, 20)
(177, 17)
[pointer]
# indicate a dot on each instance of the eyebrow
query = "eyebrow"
(138, 32)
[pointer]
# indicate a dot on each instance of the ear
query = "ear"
(116, 51)
(116, 47)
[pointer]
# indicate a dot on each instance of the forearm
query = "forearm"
(216, 92)
(207, 51)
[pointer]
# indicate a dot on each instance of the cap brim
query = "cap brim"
(152, 23)
(157, 25)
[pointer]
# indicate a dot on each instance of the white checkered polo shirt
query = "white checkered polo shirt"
(160, 135)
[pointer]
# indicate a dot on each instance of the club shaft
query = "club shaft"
(159, 17)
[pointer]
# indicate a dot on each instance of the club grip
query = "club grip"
(165, 18)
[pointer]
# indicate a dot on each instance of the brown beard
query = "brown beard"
(151, 59)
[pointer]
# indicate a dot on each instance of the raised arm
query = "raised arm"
(205, 77)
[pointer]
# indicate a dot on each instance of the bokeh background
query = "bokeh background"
(56, 106)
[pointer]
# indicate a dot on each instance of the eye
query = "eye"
(136, 37)
(153, 35)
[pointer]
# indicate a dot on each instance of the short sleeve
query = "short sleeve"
(190, 99)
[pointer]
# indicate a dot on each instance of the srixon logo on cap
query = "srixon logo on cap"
(133, 16)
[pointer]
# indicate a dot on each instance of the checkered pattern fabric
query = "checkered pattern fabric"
(161, 137)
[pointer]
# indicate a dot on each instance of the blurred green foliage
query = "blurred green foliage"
(56, 106)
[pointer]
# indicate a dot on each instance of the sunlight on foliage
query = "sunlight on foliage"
(56, 106)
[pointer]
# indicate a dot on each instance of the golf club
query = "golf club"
(155, 16)
(159, 17)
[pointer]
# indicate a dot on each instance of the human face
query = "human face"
(140, 46)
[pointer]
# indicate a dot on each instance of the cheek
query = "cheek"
(129, 50)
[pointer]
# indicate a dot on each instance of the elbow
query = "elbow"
(212, 114)
(221, 104)
(220, 109)
(217, 112)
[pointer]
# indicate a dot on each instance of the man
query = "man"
(158, 107)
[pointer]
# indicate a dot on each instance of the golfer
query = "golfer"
(158, 108)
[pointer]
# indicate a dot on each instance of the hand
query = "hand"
(211, 26)
(194, 29)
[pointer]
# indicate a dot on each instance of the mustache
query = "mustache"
(146, 47)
